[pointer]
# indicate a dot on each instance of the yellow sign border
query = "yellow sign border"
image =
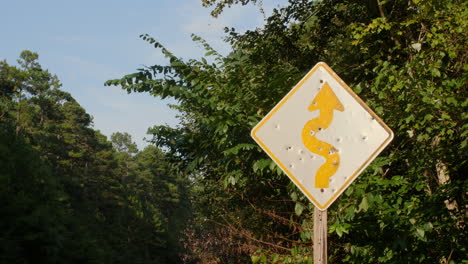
(359, 100)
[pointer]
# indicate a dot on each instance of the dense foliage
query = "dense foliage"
(406, 59)
(69, 195)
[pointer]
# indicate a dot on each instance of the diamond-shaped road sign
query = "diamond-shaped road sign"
(322, 135)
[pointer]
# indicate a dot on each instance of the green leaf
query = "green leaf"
(259, 165)
(298, 209)
(420, 232)
(339, 231)
(255, 259)
(363, 206)
(293, 196)
(435, 72)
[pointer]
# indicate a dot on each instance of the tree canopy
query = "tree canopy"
(68, 194)
(406, 59)
(204, 192)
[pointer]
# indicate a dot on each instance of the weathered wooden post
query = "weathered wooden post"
(320, 236)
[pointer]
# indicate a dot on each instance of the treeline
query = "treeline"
(406, 59)
(67, 194)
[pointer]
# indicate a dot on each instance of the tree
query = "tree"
(33, 207)
(122, 142)
(69, 196)
(163, 202)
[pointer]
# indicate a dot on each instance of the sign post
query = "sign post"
(322, 135)
(320, 236)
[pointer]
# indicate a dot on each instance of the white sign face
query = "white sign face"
(322, 135)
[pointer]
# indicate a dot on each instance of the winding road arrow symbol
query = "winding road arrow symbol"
(326, 102)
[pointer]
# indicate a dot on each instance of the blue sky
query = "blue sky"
(88, 42)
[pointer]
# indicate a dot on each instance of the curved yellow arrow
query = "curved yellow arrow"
(325, 101)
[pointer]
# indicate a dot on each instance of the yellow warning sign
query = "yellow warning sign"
(322, 135)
